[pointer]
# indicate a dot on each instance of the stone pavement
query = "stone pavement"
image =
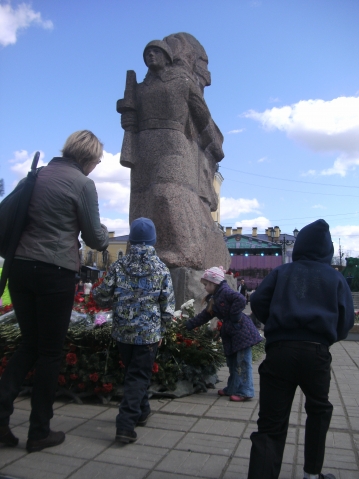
(199, 436)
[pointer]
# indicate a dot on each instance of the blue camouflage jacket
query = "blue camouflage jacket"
(139, 289)
(238, 331)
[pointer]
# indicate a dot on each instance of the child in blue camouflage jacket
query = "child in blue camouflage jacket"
(139, 289)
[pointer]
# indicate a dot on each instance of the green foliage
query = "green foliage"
(351, 270)
(188, 355)
(258, 351)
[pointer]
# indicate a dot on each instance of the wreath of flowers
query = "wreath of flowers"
(92, 365)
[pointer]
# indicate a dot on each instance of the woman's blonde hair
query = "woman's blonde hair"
(84, 147)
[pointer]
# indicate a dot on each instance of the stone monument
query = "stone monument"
(173, 146)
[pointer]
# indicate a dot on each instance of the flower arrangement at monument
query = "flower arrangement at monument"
(92, 366)
(91, 363)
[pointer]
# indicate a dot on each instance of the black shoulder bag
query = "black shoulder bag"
(13, 213)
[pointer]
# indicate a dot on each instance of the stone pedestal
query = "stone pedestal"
(187, 285)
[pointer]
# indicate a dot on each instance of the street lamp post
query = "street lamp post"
(284, 242)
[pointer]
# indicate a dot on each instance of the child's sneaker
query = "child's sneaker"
(238, 398)
(7, 437)
(125, 436)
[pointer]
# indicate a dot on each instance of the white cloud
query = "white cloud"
(349, 240)
(119, 226)
(309, 173)
(319, 207)
(112, 179)
(232, 208)
(234, 132)
(260, 222)
(13, 20)
(262, 160)
(323, 126)
(22, 164)
(273, 99)
(112, 183)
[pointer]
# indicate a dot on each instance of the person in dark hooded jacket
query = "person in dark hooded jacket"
(139, 289)
(306, 306)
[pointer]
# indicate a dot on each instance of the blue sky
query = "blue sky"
(285, 94)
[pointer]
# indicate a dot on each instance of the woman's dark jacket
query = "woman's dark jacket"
(306, 300)
(238, 331)
(63, 204)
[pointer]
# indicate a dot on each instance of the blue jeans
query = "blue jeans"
(240, 381)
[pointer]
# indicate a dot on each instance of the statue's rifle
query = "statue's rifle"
(125, 105)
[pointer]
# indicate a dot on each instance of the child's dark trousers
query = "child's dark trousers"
(138, 361)
(289, 364)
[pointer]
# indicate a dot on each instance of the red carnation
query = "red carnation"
(81, 386)
(107, 387)
(219, 325)
(94, 377)
(71, 359)
(61, 380)
(73, 377)
(188, 342)
(155, 368)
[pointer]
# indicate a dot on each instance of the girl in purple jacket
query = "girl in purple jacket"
(238, 332)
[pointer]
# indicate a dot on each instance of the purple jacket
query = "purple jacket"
(238, 331)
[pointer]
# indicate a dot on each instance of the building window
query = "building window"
(89, 257)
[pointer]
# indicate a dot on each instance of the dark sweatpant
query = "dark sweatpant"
(138, 361)
(289, 364)
(42, 295)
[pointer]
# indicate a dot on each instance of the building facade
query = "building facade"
(253, 256)
(116, 248)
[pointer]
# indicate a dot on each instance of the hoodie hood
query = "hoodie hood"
(140, 261)
(314, 243)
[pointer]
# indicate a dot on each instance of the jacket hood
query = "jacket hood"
(140, 261)
(314, 243)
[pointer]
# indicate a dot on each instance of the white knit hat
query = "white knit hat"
(214, 275)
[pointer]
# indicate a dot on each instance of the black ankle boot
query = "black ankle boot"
(53, 439)
(7, 437)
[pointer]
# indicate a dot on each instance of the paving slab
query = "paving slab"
(99, 470)
(192, 463)
(207, 443)
(42, 466)
(145, 457)
(199, 436)
(148, 436)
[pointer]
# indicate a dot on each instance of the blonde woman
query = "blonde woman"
(42, 281)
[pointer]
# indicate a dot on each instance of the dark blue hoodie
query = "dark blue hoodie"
(306, 300)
